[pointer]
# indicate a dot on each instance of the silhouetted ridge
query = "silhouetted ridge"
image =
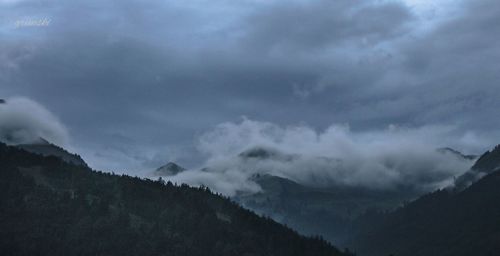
(457, 153)
(489, 161)
(445, 222)
(486, 163)
(45, 148)
(50, 207)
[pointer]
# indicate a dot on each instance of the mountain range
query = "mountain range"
(50, 206)
(330, 211)
(51, 200)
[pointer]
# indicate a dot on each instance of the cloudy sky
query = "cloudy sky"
(137, 83)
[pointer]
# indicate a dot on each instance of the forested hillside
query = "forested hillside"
(50, 207)
(447, 222)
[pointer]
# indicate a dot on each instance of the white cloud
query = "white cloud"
(383, 159)
(23, 120)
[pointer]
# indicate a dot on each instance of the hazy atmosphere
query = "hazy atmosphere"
(131, 85)
(250, 127)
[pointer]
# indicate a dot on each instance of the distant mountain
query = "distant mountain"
(51, 207)
(330, 211)
(456, 153)
(258, 152)
(275, 185)
(326, 211)
(170, 169)
(489, 161)
(45, 148)
(263, 153)
(485, 164)
(446, 222)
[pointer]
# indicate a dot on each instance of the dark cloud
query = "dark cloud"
(316, 25)
(137, 82)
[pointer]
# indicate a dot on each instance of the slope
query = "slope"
(446, 222)
(45, 148)
(50, 207)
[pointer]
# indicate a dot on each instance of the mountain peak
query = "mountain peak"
(169, 169)
(258, 152)
(45, 148)
(489, 161)
(485, 164)
(456, 153)
(265, 153)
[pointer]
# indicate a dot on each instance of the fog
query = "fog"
(235, 152)
(23, 120)
(389, 158)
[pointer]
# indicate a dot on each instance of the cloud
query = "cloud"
(385, 159)
(23, 120)
(163, 71)
(320, 24)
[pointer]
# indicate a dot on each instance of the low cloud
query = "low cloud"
(391, 158)
(23, 120)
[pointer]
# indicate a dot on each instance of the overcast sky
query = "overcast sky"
(137, 83)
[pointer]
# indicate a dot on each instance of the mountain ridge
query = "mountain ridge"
(445, 222)
(329, 211)
(51, 207)
(46, 148)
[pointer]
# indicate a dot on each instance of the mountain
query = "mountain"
(258, 152)
(485, 164)
(327, 211)
(51, 207)
(264, 153)
(45, 148)
(170, 169)
(456, 153)
(332, 211)
(489, 161)
(445, 222)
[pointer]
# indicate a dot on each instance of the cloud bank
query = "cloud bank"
(23, 120)
(165, 70)
(386, 159)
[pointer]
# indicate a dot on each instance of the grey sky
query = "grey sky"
(136, 83)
